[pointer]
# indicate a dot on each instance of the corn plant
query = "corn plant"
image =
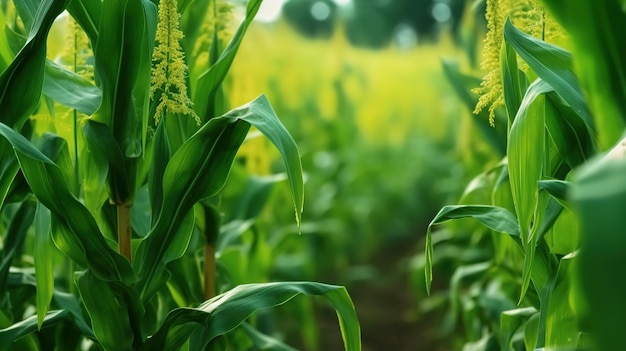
(556, 195)
(101, 218)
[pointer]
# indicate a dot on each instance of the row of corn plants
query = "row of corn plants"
(112, 163)
(543, 270)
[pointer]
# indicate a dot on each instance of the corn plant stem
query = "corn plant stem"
(209, 271)
(124, 230)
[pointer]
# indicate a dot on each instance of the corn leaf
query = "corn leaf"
(260, 114)
(510, 322)
(513, 81)
(160, 158)
(222, 314)
(78, 236)
(65, 301)
(87, 15)
(526, 152)
(13, 240)
(599, 194)
(122, 66)
(29, 325)
(595, 27)
(23, 80)
(571, 136)
(210, 81)
(552, 64)
(561, 322)
(495, 218)
(70, 89)
(43, 262)
(198, 170)
(9, 168)
(115, 312)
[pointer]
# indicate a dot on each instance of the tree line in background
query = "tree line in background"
(372, 23)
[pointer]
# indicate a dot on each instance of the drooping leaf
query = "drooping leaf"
(198, 170)
(552, 64)
(495, 218)
(79, 232)
(13, 240)
(511, 321)
(115, 312)
(260, 114)
(29, 325)
(70, 89)
(225, 312)
(594, 28)
(23, 80)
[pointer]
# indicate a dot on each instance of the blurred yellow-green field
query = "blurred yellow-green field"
(393, 91)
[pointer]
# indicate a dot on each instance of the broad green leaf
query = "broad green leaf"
(23, 80)
(9, 168)
(511, 321)
(29, 325)
(526, 151)
(27, 10)
(108, 156)
(511, 81)
(254, 197)
(530, 332)
(122, 60)
(115, 312)
(495, 218)
(6, 54)
(65, 301)
(13, 240)
(594, 27)
(260, 114)
(87, 15)
(42, 254)
(225, 312)
(56, 149)
(79, 233)
(571, 136)
(565, 235)
(526, 155)
(198, 170)
(557, 188)
(461, 274)
(211, 80)
(161, 153)
(70, 89)
(561, 323)
(552, 64)
(599, 195)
